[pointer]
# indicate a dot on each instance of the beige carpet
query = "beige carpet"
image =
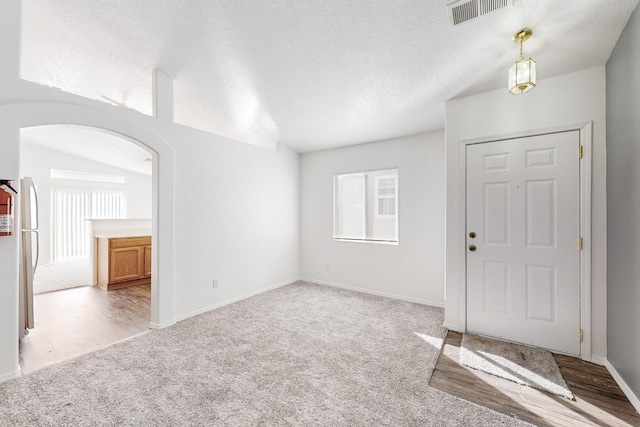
(533, 367)
(302, 354)
(62, 275)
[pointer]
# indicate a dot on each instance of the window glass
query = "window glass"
(366, 206)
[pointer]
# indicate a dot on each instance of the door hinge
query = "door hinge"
(580, 151)
(581, 335)
(580, 243)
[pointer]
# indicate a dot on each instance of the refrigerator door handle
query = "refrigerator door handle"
(35, 265)
(35, 197)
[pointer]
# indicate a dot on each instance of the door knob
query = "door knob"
(472, 234)
(472, 248)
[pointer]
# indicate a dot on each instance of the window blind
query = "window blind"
(71, 207)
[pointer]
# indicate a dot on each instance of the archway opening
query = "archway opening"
(93, 184)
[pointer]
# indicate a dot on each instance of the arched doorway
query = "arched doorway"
(14, 117)
(89, 183)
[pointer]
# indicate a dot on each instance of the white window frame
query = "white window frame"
(386, 196)
(393, 173)
(88, 176)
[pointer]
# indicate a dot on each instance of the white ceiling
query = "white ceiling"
(311, 74)
(91, 144)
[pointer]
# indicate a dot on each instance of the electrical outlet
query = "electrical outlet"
(327, 267)
(215, 283)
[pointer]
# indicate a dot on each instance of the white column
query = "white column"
(10, 17)
(162, 294)
(162, 96)
(10, 21)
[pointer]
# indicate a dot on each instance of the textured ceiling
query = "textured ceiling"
(91, 144)
(311, 74)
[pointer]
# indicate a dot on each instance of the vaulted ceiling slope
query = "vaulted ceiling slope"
(311, 74)
(93, 144)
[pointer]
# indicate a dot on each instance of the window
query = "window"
(385, 196)
(71, 207)
(366, 206)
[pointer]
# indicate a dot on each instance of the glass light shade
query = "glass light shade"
(522, 76)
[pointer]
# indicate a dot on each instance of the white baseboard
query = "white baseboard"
(11, 375)
(598, 360)
(623, 385)
(374, 292)
(153, 325)
(236, 299)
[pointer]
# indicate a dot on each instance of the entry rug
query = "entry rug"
(521, 364)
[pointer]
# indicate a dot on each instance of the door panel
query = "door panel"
(541, 292)
(541, 216)
(496, 217)
(523, 204)
(496, 286)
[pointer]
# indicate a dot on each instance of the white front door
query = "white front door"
(523, 231)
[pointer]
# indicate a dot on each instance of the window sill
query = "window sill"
(376, 242)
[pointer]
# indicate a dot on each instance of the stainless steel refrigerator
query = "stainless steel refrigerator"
(30, 252)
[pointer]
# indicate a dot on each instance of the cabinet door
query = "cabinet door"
(126, 264)
(147, 261)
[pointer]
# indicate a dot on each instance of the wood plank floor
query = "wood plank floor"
(599, 400)
(75, 321)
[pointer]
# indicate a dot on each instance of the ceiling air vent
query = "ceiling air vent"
(465, 10)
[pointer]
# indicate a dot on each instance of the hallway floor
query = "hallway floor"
(599, 400)
(75, 321)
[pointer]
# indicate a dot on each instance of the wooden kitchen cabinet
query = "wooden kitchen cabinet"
(147, 260)
(123, 261)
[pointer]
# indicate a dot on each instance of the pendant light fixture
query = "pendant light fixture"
(522, 75)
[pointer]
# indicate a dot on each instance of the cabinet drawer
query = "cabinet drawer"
(128, 242)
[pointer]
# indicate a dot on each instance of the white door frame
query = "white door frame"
(585, 131)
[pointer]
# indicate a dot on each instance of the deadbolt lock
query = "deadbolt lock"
(472, 248)
(472, 234)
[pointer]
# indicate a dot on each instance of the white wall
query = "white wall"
(37, 162)
(239, 219)
(412, 270)
(568, 99)
(623, 204)
(221, 207)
